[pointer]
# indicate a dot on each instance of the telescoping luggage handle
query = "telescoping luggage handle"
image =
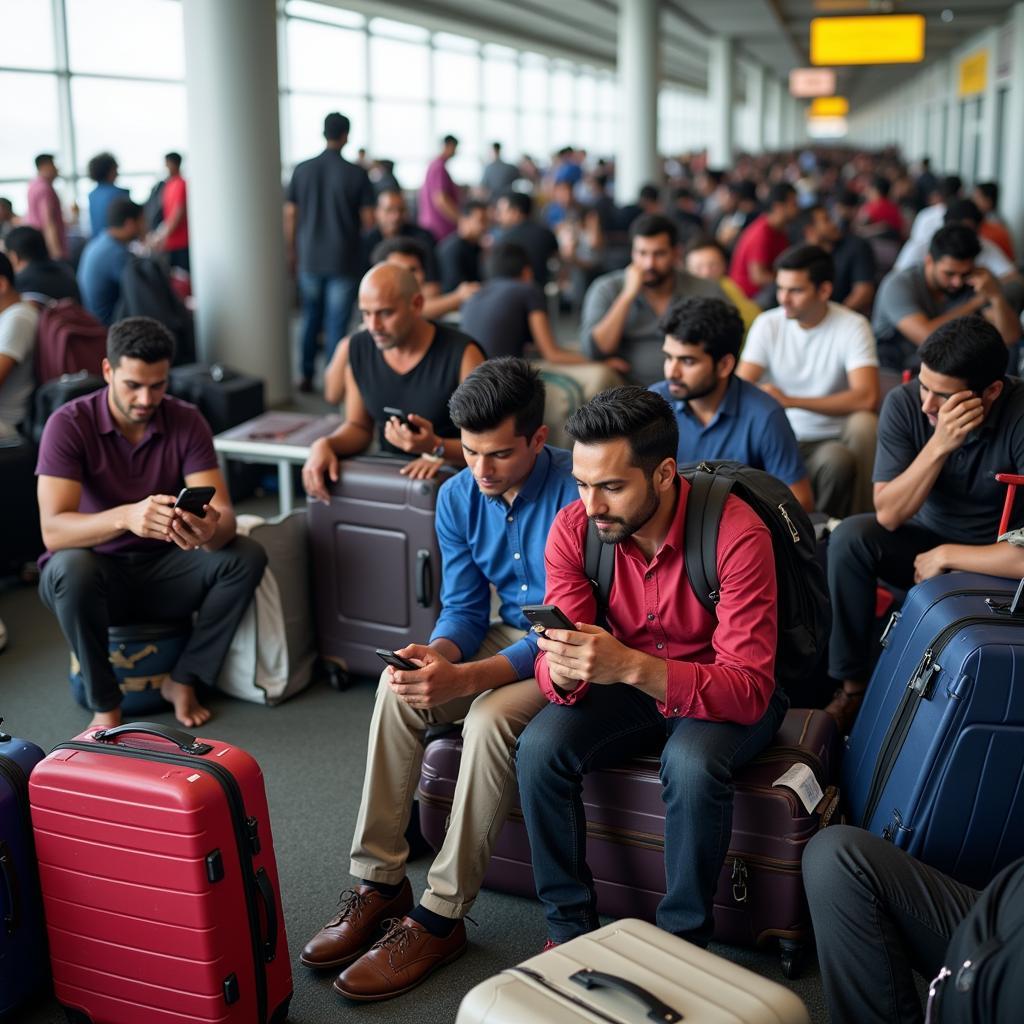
(656, 1009)
(184, 741)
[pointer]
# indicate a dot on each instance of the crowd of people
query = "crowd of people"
(826, 316)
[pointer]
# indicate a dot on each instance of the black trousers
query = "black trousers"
(860, 553)
(879, 915)
(89, 592)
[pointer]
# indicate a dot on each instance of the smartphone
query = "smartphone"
(547, 616)
(192, 499)
(390, 410)
(396, 660)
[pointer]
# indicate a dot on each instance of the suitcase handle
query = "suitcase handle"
(266, 891)
(184, 741)
(656, 1009)
(13, 916)
(424, 579)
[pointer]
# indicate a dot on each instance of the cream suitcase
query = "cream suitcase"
(626, 973)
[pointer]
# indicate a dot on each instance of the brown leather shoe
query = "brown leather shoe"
(406, 955)
(357, 925)
(844, 707)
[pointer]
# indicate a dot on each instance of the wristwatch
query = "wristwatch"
(437, 454)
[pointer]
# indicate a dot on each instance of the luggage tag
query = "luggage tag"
(800, 779)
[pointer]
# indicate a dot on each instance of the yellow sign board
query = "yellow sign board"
(878, 39)
(829, 106)
(973, 77)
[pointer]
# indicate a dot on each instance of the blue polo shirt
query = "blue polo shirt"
(99, 275)
(484, 540)
(749, 427)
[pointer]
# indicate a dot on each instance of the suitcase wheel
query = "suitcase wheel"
(337, 677)
(791, 957)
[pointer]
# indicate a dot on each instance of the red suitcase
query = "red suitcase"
(760, 892)
(159, 883)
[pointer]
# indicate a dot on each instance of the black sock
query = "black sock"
(438, 926)
(387, 891)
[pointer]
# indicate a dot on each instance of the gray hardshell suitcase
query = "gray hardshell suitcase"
(627, 972)
(376, 564)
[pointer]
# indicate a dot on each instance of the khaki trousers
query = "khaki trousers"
(840, 469)
(484, 792)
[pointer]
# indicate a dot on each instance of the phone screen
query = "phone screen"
(192, 499)
(547, 616)
(396, 660)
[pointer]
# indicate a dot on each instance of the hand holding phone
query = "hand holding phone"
(194, 500)
(396, 660)
(547, 616)
(399, 414)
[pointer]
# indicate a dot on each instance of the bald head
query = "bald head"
(392, 280)
(391, 305)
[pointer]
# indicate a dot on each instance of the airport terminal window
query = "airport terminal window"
(27, 38)
(143, 38)
(35, 125)
(399, 69)
(322, 58)
(305, 124)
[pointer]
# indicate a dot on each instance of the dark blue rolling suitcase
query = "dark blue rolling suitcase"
(23, 958)
(935, 761)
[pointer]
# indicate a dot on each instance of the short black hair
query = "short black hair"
(101, 166)
(847, 197)
(960, 210)
(647, 225)
(139, 337)
(496, 389)
(506, 259)
(122, 210)
(471, 206)
(42, 159)
(780, 193)
(519, 201)
(744, 190)
(707, 242)
(450, 140)
(6, 203)
(173, 157)
(6, 270)
(649, 193)
(714, 324)
(805, 218)
(682, 193)
(496, 146)
(816, 261)
(644, 418)
(881, 184)
(402, 245)
(957, 241)
(949, 187)
(336, 126)
(968, 348)
(990, 190)
(27, 244)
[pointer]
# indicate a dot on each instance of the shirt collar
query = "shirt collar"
(728, 406)
(534, 482)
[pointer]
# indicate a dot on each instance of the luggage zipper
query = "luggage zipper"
(244, 828)
(918, 688)
(18, 779)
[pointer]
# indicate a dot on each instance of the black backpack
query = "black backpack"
(982, 980)
(146, 291)
(805, 612)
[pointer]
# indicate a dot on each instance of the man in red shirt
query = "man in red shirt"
(172, 235)
(880, 215)
(662, 672)
(764, 241)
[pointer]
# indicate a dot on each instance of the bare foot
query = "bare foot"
(105, 719)
(187, 709)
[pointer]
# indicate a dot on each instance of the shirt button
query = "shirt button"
(675, 711)
(510, 518)
(523, 587)
(650, 616)
(649, 575)
(516, 555)
(660, 646)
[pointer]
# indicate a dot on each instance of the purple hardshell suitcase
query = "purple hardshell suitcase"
(760, 892)
(376, 564)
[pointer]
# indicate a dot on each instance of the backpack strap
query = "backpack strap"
(704, 507)
(599, 565)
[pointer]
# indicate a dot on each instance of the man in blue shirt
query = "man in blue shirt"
(719, 415)
(104, 259)
(492, 523)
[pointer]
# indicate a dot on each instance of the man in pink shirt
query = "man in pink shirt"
(661, 673)
(439, 196)
(44, 210)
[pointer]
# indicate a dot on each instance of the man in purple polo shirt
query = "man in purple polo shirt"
(439, 196)
(110, 465)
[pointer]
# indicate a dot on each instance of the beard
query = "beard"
(626, 526)
(688, 393)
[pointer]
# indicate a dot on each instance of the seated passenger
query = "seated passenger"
(118, 552)
(34, 272)
(18, 323)
(707, 259)
(719, 415)
(880, 909)
(105, 257)
(664, 674)
(913, 302)
(390, 221)
(492, 519)
(399, 360)
(820, 361)
(512, 212)
(459, 255)
(941, 440)
(622, 308)
(761, 244)
(852, 256)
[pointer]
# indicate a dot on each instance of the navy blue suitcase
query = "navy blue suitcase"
(23, 958)
(935, 761)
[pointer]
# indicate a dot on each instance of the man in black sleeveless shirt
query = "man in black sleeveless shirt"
(403, 361)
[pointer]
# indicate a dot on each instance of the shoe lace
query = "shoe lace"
(351, 903)
(396, 938)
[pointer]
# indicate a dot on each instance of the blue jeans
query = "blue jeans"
(327, 303)
(609, 725)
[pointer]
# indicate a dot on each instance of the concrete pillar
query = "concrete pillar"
(987, 138)
(637, 158)
(773, 114)
(721, 93)
(1012, 196)
(755, 99)
(234, 171)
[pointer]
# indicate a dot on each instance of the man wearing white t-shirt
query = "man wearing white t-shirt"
(818, 359)
(18, 323)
